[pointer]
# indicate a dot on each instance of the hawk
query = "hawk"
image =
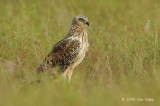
(70, 51)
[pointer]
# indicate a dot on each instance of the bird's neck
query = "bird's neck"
(77, 31)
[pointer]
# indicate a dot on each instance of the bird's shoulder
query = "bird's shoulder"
(66, 45)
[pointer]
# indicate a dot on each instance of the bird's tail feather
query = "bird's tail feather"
(40, 68)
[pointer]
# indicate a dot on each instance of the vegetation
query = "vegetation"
(123, 60)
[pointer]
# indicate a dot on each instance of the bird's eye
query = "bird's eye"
(80, 19)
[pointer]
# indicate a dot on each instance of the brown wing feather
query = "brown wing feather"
(63, 55)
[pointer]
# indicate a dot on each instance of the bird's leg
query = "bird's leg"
(69, 75)
(65, 74)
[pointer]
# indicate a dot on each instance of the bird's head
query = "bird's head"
(80, 20)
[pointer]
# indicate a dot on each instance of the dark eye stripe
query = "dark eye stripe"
(81, 19)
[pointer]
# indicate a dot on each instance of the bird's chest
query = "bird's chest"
(84, 47)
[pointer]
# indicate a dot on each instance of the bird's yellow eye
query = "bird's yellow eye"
(80, 19)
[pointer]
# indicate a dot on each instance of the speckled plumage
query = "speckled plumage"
(70, 51)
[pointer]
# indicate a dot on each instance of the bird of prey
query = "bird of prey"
(70, 51)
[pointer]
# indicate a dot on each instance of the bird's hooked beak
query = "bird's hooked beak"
(87, 22)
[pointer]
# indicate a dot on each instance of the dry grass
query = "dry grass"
(123, 60)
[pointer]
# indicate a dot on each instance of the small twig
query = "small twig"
(35, 53)
(41, 49)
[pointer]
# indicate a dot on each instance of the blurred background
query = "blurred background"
(121, 66)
